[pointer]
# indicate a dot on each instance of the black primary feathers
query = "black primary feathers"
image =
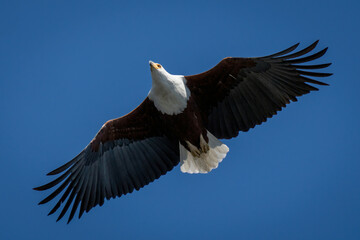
(119, 167)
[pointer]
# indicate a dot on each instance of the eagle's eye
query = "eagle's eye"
(158, 65)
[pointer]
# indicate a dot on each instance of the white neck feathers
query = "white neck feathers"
(168, 92)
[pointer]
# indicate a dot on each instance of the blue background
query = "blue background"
(66, 67)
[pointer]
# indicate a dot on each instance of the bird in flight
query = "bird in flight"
(181, 121)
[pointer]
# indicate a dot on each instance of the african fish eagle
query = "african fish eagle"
(181, 120)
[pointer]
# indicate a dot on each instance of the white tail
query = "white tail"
(207, 161)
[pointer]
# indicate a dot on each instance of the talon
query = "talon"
(193, 150)
(203, 145)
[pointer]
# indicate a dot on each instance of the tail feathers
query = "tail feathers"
(207, 161)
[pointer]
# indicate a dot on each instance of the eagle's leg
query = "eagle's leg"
(193, 150)
(204, 157)
(204, 145)
(203, 149)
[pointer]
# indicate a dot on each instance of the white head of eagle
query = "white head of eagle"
(168, 92)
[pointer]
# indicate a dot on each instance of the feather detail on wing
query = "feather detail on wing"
(240, 93)
(127, 153)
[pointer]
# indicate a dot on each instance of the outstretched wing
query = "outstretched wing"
(126, 154)
(239, 93)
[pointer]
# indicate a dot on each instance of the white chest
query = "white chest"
(169, 93)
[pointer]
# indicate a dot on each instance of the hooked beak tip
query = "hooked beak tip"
(152, 65)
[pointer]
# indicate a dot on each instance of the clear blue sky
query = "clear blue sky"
(66, 67)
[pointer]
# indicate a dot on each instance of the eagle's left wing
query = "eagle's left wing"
(240, 93)
(126, 154)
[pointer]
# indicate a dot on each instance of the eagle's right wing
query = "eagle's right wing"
(240, 93)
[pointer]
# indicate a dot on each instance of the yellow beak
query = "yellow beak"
(154, 65)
